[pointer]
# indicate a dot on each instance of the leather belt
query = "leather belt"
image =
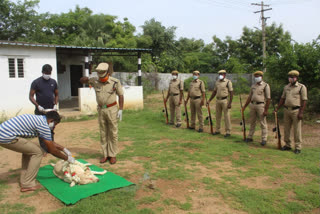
(257, 103)
(292, 108)
(222, 98)
(174, 94)
(108, 106)
(194, 98)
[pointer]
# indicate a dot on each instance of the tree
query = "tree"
(17, 21)
(162, 38)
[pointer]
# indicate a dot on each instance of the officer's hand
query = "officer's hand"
(71, 159)
(67, 152)
(229, 106)
(300, 116)
(275, 111)
(265, 113)
(180, 102)
(119, 115)
(55, 107)
(40, 108)
(201, 103)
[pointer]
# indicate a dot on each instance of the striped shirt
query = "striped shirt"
(25, 126)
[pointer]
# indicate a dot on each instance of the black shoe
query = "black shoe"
(178, 125)
(248, 140)
(215, 133)
(191, 128)
(285, 148)
(200, 130)
(297, 151)
(227, 135)
(263, 143)
(170, 123)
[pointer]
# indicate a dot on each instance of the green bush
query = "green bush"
(313, 104)
(241, 86)
(188, 81)
(148, 88)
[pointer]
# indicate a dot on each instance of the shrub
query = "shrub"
(188, 81)
(241, 86)
(313, 104)
(148, 87)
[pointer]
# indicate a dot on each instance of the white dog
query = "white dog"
(76, 173)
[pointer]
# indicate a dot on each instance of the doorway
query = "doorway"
(75, 74)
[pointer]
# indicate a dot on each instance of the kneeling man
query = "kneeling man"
(14, 134)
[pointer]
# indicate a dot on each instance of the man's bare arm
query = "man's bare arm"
(31, 97)
(56, 95)
(84, 80)
(55, 149)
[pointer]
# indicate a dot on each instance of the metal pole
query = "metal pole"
(263, 38)
(139, 69)
(263, 21)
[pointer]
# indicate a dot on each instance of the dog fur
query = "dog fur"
(76, 173)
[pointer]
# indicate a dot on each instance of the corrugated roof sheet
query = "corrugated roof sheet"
(74, 47)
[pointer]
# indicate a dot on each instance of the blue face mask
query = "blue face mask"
(195, 77)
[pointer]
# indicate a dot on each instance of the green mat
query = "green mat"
(70, 195)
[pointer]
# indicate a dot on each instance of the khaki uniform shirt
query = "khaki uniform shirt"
(106, 93)
(223, 87)
(175, 86)
(260, 92)
(293, 95)
(196, 88)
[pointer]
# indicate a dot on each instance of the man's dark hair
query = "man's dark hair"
(46, 68)
(53, 115)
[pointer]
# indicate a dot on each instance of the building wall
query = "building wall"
(64, 79)
(14, 94)
(127, 78)
(133, 99)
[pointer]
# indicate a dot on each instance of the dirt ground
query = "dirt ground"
(202, 202)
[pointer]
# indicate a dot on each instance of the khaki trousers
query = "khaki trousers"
(196, 109)
(175, 109)
(31, 158)
(291, 119)
(256, 112)
(108, 123)
(222, 106)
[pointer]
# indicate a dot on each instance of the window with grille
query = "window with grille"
(16, 67)
(12, 68)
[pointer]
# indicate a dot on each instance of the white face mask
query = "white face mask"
(174, 77)
(51, 125)
(46, 76)
(257, 79)
(221, 77)
(195, 77)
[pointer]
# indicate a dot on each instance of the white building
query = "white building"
(21, 63)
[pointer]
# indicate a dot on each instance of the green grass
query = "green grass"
(115, 201)
(174, 155)
(3, 187)
(16, 208)
(87, 155)
(80, 118)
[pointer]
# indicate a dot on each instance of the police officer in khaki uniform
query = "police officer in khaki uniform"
(294, 98)
(222, 88)
(259, 98)
(107, 89)
(175, 93)
(197, 95)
